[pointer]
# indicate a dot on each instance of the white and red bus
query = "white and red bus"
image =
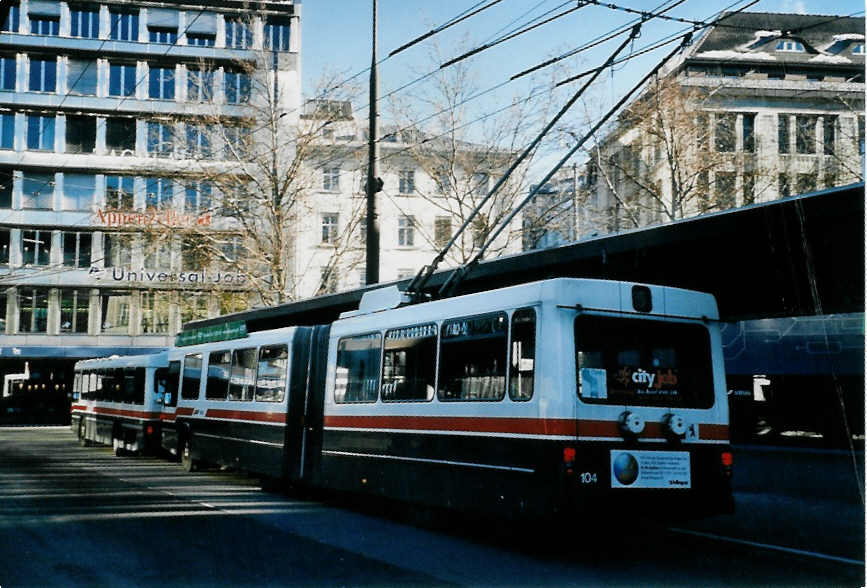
(117, 401)
(559, 395)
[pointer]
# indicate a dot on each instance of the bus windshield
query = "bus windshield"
(641, 362)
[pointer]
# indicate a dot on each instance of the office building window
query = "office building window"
(201, 39)
(78, 191)
(195, 254)
(161, 83)
(200, 85)
(198, 142)
(238, 34)
(806, 183)
(237, 87)
(6, 181)
(238, 142)
(725, 189)
(124, 26)
(406, 181)
(119, 192)
(10, 25)
(163, 35)
(37, 191)
(76, 249)
(114, 309)
(80, 134)
(159, 193)
(8, 73)
(5, 244)
(74, 310)
(232, 302)
(36, 247)
(702, 131)
(32, 310)
(783, 185)
(724, 138)
(480, 182)
(121, 79)
(120, 136)
(40, 132)
(829, 135)
(155, 312)
(783, 133)
(118, 249)
(43, 75)
(442, 231)
(160, 139)
(327, 281)
(749, 132)
(331, 178)
(82, 77)
(84, 22)
(406, 231)
(7, 130)
(277, 34)
(44, 25)
(329, 228)
(197, 197)
(805, 134)
(158, 253)
(231, 251)
(194, 306)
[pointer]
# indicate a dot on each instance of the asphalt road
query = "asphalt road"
(74, 516)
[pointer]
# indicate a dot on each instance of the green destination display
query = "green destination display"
(224, 332)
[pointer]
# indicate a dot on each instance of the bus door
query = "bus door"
(168, 429)
(314, 404)
(297, 393)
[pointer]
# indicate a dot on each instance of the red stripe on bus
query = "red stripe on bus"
(183, 411)
(75, 407)
(245, 415)
(140, 414)
(461, 424)
(167, 417)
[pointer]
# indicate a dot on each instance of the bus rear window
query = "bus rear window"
(643, 363)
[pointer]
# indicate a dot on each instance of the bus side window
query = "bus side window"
(242, 377)
(271, 375)
(160, 379)
(522, 362)
(357, 373)
(217, 384)
(409, 363)
(473, 358)
(192, 376)
(171, 397)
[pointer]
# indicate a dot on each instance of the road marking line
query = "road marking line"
(768, 546)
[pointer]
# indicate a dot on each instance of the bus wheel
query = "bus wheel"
(190, 464)
(118, 449)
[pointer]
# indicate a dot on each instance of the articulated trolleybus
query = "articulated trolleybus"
(552, 396)
(117, 401)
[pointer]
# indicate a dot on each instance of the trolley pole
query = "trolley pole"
(374, 184)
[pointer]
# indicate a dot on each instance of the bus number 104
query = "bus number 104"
(588, 477)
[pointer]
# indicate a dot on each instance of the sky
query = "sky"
(336, 38)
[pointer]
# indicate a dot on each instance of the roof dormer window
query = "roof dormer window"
(858, 49)
(790, 46)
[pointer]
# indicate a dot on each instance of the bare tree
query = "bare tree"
(464, 154)
(250, 163)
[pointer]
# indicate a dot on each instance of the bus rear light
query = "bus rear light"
(727, 459)
(150, 430)
(569, 455)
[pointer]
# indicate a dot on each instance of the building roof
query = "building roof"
(754, 36)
